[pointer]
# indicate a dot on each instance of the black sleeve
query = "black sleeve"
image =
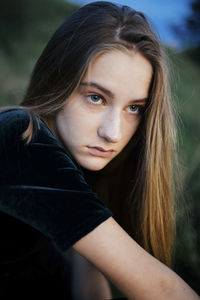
(42, 186)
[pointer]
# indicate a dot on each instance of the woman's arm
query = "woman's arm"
(135, 272)
(87, 282)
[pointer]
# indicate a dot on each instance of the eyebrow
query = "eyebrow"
(108, 92)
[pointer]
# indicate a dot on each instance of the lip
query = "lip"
(99, 151)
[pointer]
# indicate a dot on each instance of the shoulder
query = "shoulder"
(13, 124)
(10, 118)
(17, 121)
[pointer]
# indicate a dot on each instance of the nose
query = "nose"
(110, 127)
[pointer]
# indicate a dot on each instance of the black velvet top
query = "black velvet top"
(45, 205)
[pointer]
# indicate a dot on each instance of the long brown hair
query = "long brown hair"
(138, 185)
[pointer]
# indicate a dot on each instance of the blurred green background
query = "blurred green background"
(27, 25)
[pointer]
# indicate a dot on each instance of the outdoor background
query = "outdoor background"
(27, 25)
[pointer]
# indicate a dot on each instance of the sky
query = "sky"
(163, 13)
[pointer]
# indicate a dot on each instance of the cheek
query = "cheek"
(130, 129)
(77, 127)
(84, 123)
(64, 127)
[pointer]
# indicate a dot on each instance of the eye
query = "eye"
(95, 98)
(134, 108)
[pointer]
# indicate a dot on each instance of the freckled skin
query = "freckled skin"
(102, 121)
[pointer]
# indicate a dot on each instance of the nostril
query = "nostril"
(109, 135)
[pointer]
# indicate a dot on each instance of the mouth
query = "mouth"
(101, 152)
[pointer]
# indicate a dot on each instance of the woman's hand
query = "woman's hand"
(135, 272)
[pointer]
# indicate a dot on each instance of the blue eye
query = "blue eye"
(95, 98)
(134, 108)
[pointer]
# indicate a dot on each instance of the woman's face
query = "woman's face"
(102, 115)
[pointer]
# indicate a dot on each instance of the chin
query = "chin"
(93, 165)
(93, 168)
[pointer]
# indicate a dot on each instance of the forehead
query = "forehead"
(121, 71)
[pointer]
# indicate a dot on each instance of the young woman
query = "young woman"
(97, 111)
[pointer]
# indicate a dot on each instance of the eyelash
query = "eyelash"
(100, 97)
(140, 108)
